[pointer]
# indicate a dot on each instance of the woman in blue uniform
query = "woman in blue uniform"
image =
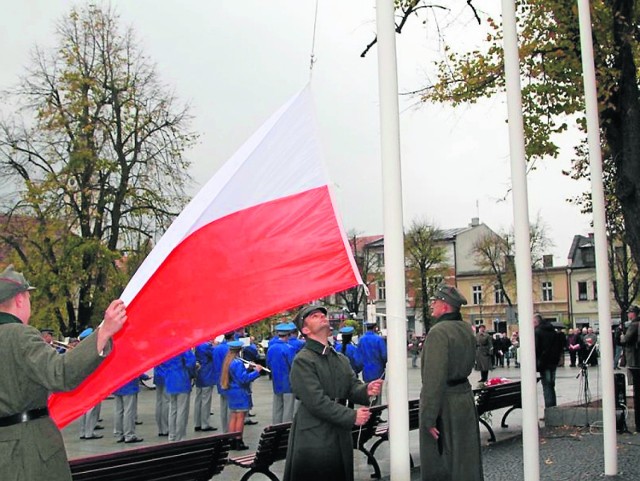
(235, 380)
(347, 348)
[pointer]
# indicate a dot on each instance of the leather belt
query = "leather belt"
(23, 417)
(456, 382)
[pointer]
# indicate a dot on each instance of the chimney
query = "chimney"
(475, 222)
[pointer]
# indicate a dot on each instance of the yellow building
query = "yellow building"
(490, 306)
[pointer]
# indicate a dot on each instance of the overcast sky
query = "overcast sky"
(236, 62)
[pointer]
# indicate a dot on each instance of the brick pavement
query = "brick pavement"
(565, 454)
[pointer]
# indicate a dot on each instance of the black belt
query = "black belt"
(23, 417)
(456, 382)
(340, 401)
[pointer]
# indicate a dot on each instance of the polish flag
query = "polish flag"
(261, 237)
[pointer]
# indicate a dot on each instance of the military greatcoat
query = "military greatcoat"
(320, 444)
(446, 402)
(31, 369)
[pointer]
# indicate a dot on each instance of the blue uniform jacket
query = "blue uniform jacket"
(353, 355)
(219, 353)
(159, 373)
(240, 379)
(373, 352)
(279, 359)
(132, 387)
(296, 343)
(180, 371)
(205, 377)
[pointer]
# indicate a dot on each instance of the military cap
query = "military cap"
(86, 333)
(305, 312)
(346, 330)
(450, 295)
(235, 345)
(370, 324)
(635, 309)
(46, 330)
(12, 283)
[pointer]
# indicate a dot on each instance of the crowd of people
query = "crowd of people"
(315, 379)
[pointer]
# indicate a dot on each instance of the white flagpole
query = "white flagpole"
(600, 235)
(393, 242)
(530, 448)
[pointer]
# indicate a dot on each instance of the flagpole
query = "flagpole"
(524, 282)
(393, 243)
(600, 235)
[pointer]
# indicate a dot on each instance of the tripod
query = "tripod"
(584, 393)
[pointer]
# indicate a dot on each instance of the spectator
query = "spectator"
(373, 353)
(574, 343)
(484, 352)
(549, 348)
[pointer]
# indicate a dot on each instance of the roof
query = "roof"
(581, 253)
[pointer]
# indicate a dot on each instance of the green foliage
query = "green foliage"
(96, 153)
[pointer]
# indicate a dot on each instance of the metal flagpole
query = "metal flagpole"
(530, 447)
(393, 242)
(600, 235)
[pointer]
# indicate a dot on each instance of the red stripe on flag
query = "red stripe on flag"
(230, 273)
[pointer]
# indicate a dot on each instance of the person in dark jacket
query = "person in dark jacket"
(549, 348)
(320, 444)
(449, 431)
(631, 342)
(574, 345)
(31, 446)
(484, 353)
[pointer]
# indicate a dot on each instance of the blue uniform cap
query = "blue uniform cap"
(283, 327)
(346, 330)
(86, 333)
(235, 345)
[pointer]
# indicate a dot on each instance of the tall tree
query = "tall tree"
(425, 257)
(97, 155)
(355, 297)
(495, 254)
(552, 92)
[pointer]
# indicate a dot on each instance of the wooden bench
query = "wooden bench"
(274, 442)
(490, 398)
(363, 434)
(196, 459)
(382, 431)
(272, 447)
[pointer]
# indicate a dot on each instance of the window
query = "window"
(499, 294)
(547, 291)
(582, 291)
(382, 291)
(380, 259)
(595, 290)
(477, 294)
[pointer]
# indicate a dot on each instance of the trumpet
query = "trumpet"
(249, 363)
(63, 345)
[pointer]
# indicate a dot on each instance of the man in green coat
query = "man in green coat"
(449, 432)
(31, 446)
(320, 444)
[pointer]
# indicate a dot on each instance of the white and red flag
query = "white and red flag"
(262, 236)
